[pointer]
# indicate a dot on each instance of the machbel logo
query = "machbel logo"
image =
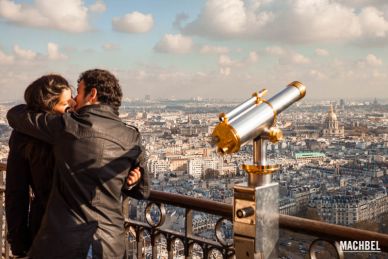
(360, 246)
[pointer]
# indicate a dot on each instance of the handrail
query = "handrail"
(179, 200)
(296, 224)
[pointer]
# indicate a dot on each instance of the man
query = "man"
(94, 151)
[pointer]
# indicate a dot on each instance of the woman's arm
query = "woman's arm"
(40, 125)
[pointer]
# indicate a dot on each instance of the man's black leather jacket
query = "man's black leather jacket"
(94, 151)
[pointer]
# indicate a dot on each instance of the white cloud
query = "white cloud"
(368, 63)
(253, 57)
(373, 23)
(226, 63)
(225, 60)
(207, 49)
(318, 21)
(298, 58)
(351, 72)
(98, 7)
(5, 59)
(379, 75)
(276, 51)
(226, 18)
(373, 60)
(321, 52)
(294, 21)
(225, 71)
(54, 53)
(24, 53)
(110, 46)
(287, 56)
(324, 78)
(69, 15)
(317, 74)
(174, 43)
(133, 23)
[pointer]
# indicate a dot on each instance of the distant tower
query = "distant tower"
(375, 102)
(331, 127)
(342, 104)
(147, 97)
(337, 171)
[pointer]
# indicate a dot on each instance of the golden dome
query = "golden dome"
(331, 116)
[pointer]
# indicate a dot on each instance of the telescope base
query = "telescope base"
(256, 221)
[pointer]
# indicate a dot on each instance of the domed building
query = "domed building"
(331, 128)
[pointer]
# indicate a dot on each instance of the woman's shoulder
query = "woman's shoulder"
(18, 140)
(18, 137)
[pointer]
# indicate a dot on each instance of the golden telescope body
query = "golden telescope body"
(254, 117)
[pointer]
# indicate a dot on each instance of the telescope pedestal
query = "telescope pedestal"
(256, 235)
(256, 209)
(259, 180)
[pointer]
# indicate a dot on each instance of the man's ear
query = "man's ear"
(92, 96)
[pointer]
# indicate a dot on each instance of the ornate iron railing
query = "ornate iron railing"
(191, 244)
(322, 235)
(187, 244)
(4, 247)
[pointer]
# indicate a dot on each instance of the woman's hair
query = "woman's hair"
(44, 92)
(41, 96)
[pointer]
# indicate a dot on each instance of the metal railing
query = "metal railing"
(191, 245)
(320, 231)
(4, 246)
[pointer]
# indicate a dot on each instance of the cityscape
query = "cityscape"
(181, 65)
(333, 159)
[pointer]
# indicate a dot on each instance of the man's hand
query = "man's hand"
(133, 176)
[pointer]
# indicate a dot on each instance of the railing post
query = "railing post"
(154, 240)
(2, 223)
(188, 231)
(170, 251)
(139, 242)
(256, 209)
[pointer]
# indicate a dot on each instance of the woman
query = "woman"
(30, 165)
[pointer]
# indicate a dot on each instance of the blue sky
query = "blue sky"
(209, 48)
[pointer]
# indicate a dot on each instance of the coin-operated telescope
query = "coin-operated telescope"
(255, 207)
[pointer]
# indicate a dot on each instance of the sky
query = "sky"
(200, 48)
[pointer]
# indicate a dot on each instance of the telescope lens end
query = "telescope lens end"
(301, 87)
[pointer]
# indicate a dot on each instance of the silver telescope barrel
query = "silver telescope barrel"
(250, 122)
(243, 107)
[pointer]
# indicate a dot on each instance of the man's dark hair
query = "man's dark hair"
(107, 85)
(43, 94)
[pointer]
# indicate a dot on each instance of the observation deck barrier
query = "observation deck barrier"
(153, 238)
